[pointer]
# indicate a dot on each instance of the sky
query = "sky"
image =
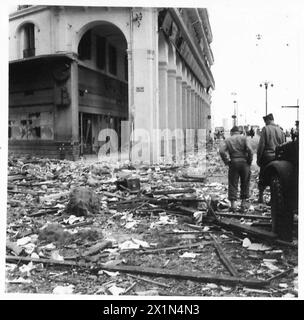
(251, 45)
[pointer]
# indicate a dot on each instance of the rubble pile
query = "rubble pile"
(120, 229)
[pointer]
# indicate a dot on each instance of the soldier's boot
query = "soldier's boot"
(244, 205)
(233, 205)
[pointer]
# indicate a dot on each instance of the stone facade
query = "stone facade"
(75, 71)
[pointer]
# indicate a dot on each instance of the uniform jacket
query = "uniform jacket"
(236, 146)
(271, 136)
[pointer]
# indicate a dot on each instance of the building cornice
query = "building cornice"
(26, 11)
(183, 28)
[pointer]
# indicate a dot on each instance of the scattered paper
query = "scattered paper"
(152, 292)
(55, 255)
(20, 280)
(111, 274)
(63, 289)
(246, 243)
(116, 291)
(23, 241)
(190, 255)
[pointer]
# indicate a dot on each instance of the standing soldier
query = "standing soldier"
(239, 161)
(271, 136)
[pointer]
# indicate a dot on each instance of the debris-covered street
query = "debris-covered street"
(77, 228)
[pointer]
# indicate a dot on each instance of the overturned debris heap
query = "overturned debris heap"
(117, 229)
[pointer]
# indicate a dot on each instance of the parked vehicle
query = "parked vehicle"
(282, 175)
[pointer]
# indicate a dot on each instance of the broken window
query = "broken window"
(31, 126)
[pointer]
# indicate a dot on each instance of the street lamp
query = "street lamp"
(234, 117)
(234, 113)
(266, 83)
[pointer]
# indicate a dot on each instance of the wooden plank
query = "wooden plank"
(149, 281)
(173, 191)
(47, 261)
(223, 257)
(238, 227)
(194, 276)
(239, 216)
(33, 193)
(188, 210)
(16, 177)
(280, 275)
(97, 247)
(165, 249)
(80, 224)
(43, 212)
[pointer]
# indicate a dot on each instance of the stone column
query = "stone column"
(172, 118)
(163, 95)
(143, 70)
(66, 125)
(179, 98)
(192, 108)
(184, 105)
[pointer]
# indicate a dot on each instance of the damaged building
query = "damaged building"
(74, 71)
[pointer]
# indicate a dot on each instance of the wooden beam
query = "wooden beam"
(223, 257)
(239, 216)
(194, 276)
(47, 261)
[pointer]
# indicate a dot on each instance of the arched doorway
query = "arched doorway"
(102, 85)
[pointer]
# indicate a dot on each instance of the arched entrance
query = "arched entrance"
(102, 86)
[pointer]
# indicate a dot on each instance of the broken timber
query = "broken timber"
(238, 227)
(246, 216)
(223, 257)
(186, 246)
(194, 276)
(47, 261)
(173, 191)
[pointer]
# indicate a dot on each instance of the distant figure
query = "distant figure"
(239, 161)
(297, 130)
(251, 133)
(271, 136)
(292, 133)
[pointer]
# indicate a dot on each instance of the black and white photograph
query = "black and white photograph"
(150, 150)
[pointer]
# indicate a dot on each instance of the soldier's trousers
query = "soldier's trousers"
(239, 169)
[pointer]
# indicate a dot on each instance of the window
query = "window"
(31, 126)
(84, 47)
(112, 60)
(101, 52)
(29, 40)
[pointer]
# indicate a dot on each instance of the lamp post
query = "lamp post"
(234, 113)
(266, 84)
(234, 117)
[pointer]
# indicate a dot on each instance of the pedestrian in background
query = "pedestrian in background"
(271, 136)
(251, 133)
(237, 154)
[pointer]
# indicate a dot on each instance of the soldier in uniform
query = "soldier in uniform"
(271, 136)
(237, 154)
